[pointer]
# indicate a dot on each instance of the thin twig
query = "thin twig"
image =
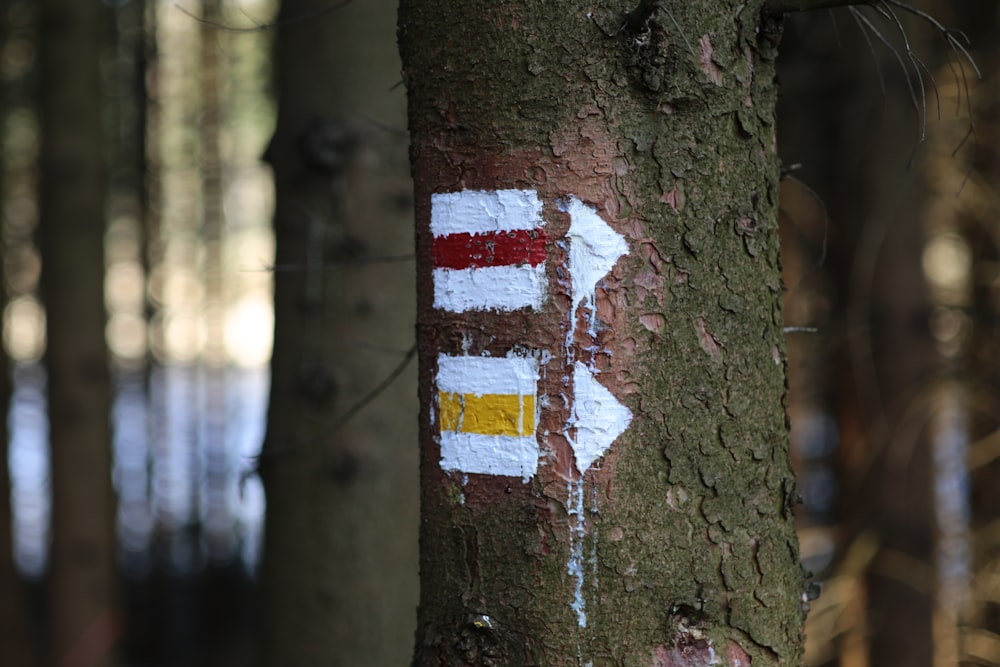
(886, 11)
(274, 452)
(826, 218)
(971, 133)
(330, 265)
(895, 52)
(264, 26)
(875, 59)
(937, 91)
(948, 35)
(677, 25)
(972, 158)
(384, 127)
(787, 6)
(373, 394)
(957, 41)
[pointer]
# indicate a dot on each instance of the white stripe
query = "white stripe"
(489, 454)
(480, 211)
(488, 375)
(490, 288)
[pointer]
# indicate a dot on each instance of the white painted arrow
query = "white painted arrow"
(594, 248)
(597, 416)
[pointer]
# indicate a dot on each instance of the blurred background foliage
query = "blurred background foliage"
(890, 222)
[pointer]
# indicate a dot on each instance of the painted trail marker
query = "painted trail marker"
(489, 250)
(594, 249)
(597, 416)
(488, 414)
(489, 254)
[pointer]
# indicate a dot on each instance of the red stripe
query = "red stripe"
(474, 251)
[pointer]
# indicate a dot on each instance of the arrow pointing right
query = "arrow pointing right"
(594, 249)
(597, 416)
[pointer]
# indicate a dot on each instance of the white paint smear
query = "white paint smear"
(482, 211)
(594, 248)
(574, 567)
(597, 416)
(490, 288)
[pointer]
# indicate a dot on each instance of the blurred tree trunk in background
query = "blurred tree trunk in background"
(980, 227)
(886, 396)
(209, 503)
(339, 565)
(890, 393)
(213, 217)
(978, 213)
(860, 147)
(85, 622)
(15, 640)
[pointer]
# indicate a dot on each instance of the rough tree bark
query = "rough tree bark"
(339, 571)
(604, 472)
(85, 622)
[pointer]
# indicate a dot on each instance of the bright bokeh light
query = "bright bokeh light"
(947, 261)
(24, 329)
(124, 286)
(126, 334)
(182, 337)
(249, 330)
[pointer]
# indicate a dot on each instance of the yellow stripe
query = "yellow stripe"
(488, 414)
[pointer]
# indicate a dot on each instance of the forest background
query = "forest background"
(890, 250)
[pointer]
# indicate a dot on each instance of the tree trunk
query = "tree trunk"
(339, 571)
(15, 644)
(15, 641)
(604, 473)
(84, 617)
(983, 391)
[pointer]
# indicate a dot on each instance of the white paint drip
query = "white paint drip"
(484, 211)
(576, 535)
(596, 415)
